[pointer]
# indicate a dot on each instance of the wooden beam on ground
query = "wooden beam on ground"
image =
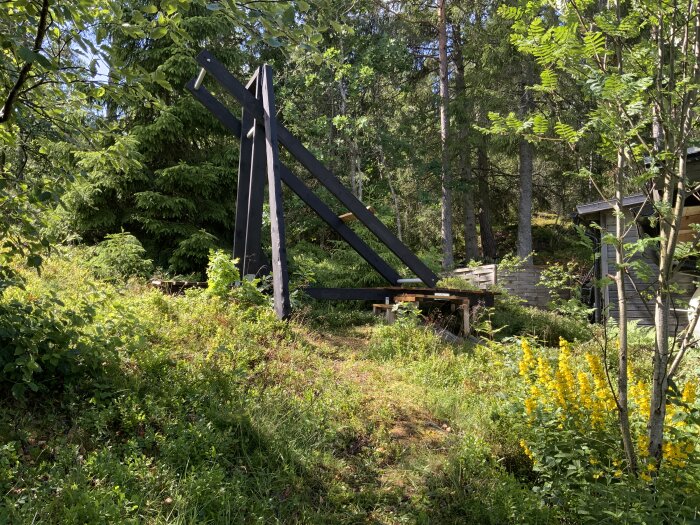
(318, 170)
(280, 276)
(302, 191)
(475, 298)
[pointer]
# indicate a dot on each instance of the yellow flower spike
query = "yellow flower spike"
(530, 406)
(689, 393)
(526, 449)
(645, 477)
(527, 363)
(585, 391)
(618, 473)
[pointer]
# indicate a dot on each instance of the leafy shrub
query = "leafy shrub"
(222, 273)
(565, 290)
(44, 347)
(456, 283)
(119, 257)
(405, 338)
(573, 441)
(224, 281)
(512, 319)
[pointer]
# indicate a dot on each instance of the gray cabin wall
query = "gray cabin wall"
(639, 292)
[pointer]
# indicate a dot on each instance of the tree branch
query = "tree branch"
(6, 110)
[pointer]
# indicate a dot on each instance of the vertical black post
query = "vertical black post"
(244, 160)
(279, 250)
(254, 259)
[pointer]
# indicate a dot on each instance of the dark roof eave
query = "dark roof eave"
(604, 205)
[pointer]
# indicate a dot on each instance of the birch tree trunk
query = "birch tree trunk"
(622, 378)
(446, 197)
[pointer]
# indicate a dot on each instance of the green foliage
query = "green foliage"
(562, 281)
(567, 415)
(511, 319)
(456, 283)
(222, 274)
(119, 257)
(405, 338)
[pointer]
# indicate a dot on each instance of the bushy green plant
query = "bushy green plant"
(224, 281)
(44, 346)
(119, 257)
(222, 274)
(561, 279)
(511, 318)
(572, 439)
(456, 283)
(406, 337)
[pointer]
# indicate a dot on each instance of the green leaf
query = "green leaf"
(274, 42)
(34, 260)
(159, 32)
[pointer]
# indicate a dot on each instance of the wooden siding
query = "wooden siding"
(640, 306)
(523, 282)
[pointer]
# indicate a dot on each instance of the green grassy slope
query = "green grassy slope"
(220, 414)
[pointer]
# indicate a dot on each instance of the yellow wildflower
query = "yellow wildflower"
(526, 449)
(530, 406)
(527, 363)
(645, 477)
(689, 393)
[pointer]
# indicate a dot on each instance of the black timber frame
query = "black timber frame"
(260, 135)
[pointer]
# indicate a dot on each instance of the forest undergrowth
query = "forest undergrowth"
(125, 405)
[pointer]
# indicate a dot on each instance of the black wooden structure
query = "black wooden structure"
(260, 135)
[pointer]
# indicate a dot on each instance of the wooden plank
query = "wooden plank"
(318, 170)
(280, 275)
(303, 192)
(349, 217)
(380, 294)
(689, 219)
(349, 294)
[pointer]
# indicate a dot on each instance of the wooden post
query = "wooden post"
(279, 249)
(318, 170)
(242, 192)
(254, 260)
(466, 318)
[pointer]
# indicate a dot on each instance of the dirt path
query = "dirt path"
(413, 440)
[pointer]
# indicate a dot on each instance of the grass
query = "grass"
(215, 412)
(221, 414)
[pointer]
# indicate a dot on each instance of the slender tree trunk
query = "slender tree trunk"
(488, 241)
(526, 154)
(622, 379)
(465, 169)
(446, 200)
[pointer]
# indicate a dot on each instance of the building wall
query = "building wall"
(640, 306)
(523, 282)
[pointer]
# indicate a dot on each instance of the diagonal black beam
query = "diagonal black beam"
(295, 184)
(318, 170)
